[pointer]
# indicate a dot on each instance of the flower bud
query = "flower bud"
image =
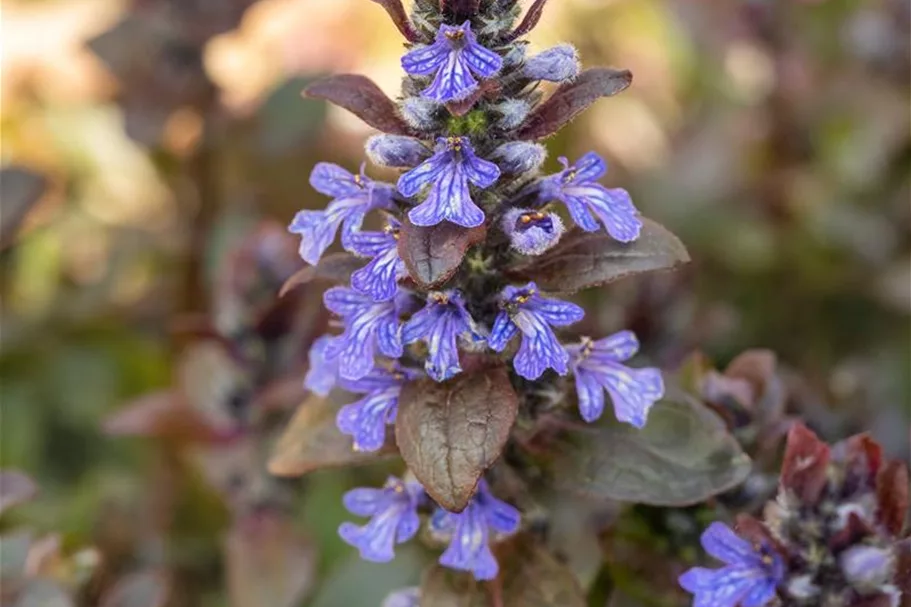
(532, 232)
(420, 112)
(557, 64)
(866, 567)
(513, 112)
(518, 157)
(396, 151)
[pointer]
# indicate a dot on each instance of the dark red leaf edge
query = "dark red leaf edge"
(806, 459)
(363, 98)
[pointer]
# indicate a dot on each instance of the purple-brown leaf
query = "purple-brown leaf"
(806, 459)
(571, 99)
(399, 17)
(335, 267)
(449, 433)
(269, 563)
(589, 259)
(311, 441)
(433, 254)
(892, 496)
(363, 98)
(15, 488)
(529, 21)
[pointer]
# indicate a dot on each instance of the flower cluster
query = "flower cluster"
(831, 537)
(405, 320)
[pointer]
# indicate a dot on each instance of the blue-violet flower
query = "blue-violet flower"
(368, 325)
(524, 310)
(354, 196)
(449, 171)
(517, 157)
(531, 232)
(577, 187)
(379, 278)
(597, 367)
(748, 579)
(454, 56)
(395, 151)
(469, 532)
(439, 324)
(323, 372)
(394, 518)
(557, 64)
(365, 420)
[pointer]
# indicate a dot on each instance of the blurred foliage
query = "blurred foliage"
(772, 137)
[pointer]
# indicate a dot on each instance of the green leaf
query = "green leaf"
(312, 442)
(589, 259)
(529, 577)
(449, 433)
(683, 456)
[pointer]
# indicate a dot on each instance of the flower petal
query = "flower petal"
(590, 394)
(334, 181)
(503, 330)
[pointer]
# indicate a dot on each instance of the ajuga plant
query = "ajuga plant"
(832, 536)
(455, 324)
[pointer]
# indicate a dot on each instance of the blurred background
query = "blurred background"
(154, 150)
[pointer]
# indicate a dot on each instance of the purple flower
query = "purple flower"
(365, 420)
(531, 232)
(449, 171)
(596, 365)
(406, 597)
(522, 309)
(394, 518)
(379, 278)
(454, 56)
(517, 157)
(354, 196)
(323, 372)
(469, 532)
(368, 325)
(557, 64)
(577, 187)
(748, 578)
(867, 567)
(513, 113)
(395, 151)
(440, 323)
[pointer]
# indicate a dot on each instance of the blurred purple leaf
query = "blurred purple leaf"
(269, 563)
(15, 488)
(20, 189)
(44, 593)
(311, 441)
(142, 589)
(363, 98)
(335, 267)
